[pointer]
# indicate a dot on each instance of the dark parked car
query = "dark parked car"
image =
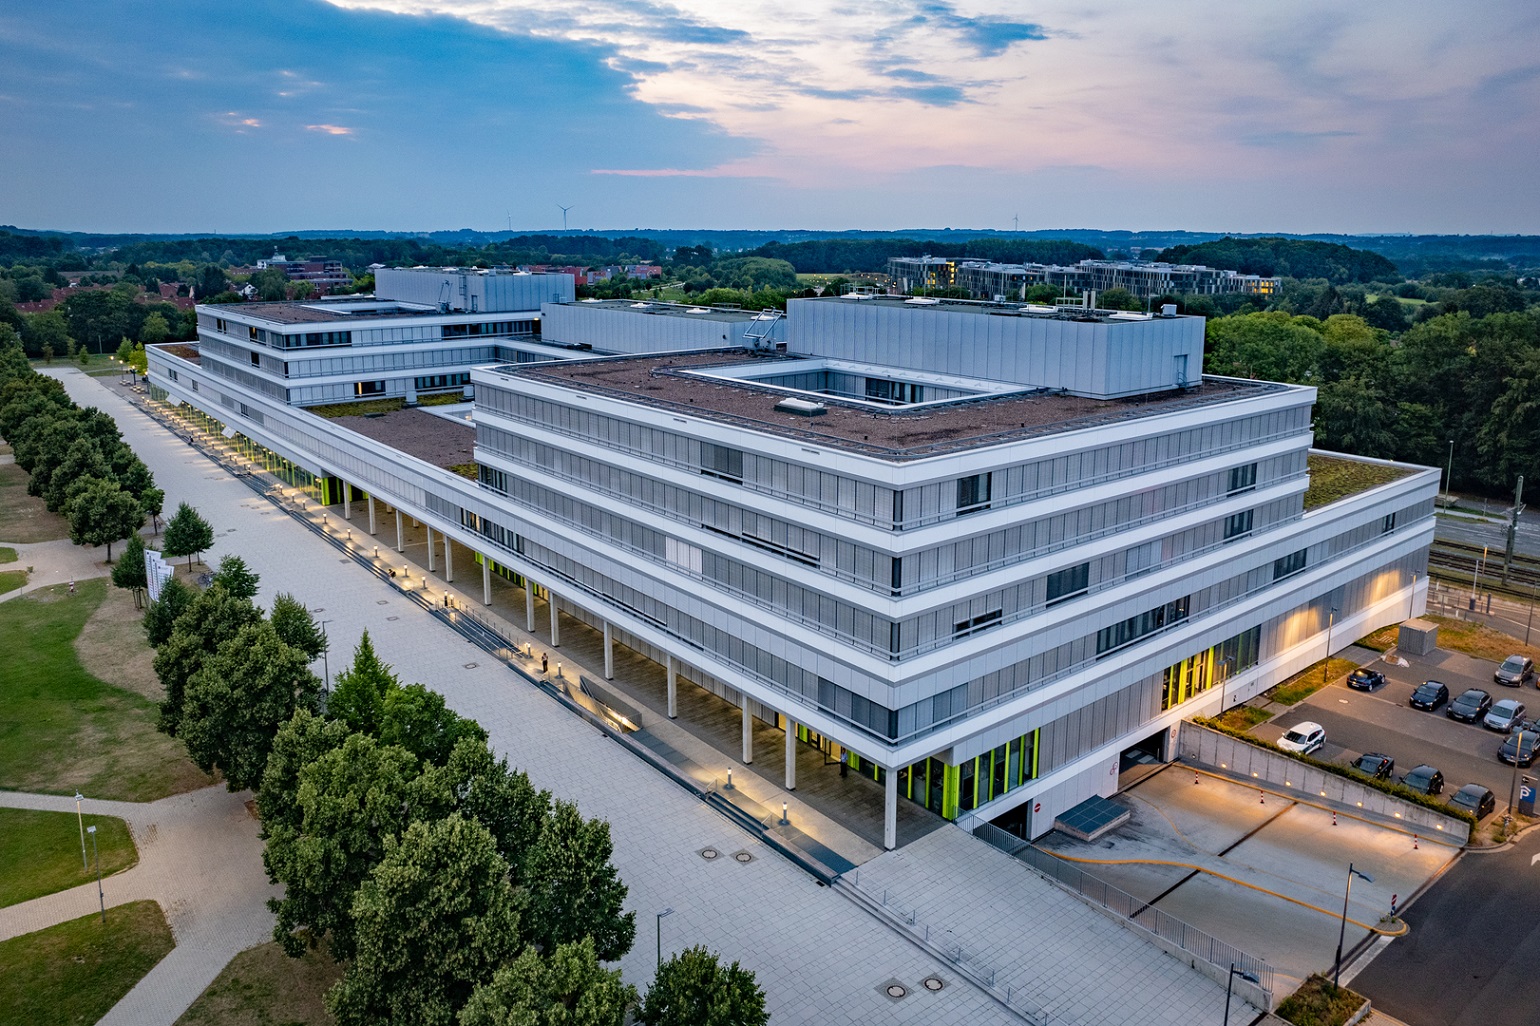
(1430, 694)
(1425, 779)
(1475, 799)
(1365, 679)
(1515, 670)
(1520, 747)
(1375, 765)
(1470, 706)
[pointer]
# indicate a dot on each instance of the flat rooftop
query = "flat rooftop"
(985, 308)
(683, 310)
(316, 313)
(898, 434)
(440, 441)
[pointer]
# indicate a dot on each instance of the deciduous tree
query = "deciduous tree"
(694, 989)
(572, 890)
(187, 534)
(296, 626)
(236, 577)
(212, 618)
(417, 719)
(130, 574)
(569, 988)
(101, 513)
(160, 619)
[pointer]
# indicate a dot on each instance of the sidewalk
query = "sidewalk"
(55, 562)
(200, 858)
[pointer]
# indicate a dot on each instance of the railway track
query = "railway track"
(1463, 562)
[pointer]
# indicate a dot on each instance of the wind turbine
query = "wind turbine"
(564, 215)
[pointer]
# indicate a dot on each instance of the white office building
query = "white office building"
(980, 553)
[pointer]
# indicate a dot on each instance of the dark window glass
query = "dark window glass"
(1388, 524)
(972, 494)
(721, 461)
(982, 622)
(1293, 563)
(1238, 525)
(1066, 584)
(1243, 479)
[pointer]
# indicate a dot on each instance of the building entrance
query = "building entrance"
(1140, 760)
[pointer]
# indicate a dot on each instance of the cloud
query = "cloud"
(1289, 139)
(329, 129)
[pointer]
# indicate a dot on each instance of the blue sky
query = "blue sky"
(424, 114)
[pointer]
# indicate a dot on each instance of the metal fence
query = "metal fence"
(1135, 912)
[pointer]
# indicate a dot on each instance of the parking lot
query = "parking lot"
(1382, 721)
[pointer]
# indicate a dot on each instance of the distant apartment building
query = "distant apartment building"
(324, 274)
(984, 279)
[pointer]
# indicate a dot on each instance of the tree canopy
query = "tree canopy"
(694, 989)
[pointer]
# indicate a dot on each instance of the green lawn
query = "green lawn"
(76, 971)
(1307, 682)
(7, 554)
(40, 852)
(264, 987)
(62, 729)
(10, 580)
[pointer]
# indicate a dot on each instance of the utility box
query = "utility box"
(1417, 637)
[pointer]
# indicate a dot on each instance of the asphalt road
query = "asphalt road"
(1383, 721)
(1474, 944)
(1470, 531)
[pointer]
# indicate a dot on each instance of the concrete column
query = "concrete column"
(555, 623)
(347, 501)
(449, 561)
(486, 580)
(400, 533)
(748, 731)
(791, 754)
(431, 567)
(373, 527)
(890, 811)
(529, 605)
(609, 653)
(673, 687)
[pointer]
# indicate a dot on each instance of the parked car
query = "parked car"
(1515, 670)
(1375, 765)
(1430, 694)
(1470, 706)
(1425, 779)
(1520, 747)
(1505, 715)
(1474, 798)
(1303, 738)
(1365, 679)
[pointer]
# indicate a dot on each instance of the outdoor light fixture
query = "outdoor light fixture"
(666, 912)
(1230, 983)
(1342, 933)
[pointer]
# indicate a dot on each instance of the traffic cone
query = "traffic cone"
(1334, 818)
(1261, 797)
(1414, 842)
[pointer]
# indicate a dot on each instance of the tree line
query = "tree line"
(76, 459)
(1473, 381)
(451, 889)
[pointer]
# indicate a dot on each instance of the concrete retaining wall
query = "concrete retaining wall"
(1200, 745)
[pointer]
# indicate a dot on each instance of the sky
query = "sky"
(278, 115)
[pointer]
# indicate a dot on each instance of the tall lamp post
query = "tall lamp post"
(1449, 481)
(1230, 983)
(1336, 975)
(1326, 663)
(326, 662)
(100, 897)
(1513, 789)
(85, 867)
(666, 912)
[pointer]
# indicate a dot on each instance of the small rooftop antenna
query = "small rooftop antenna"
(564, 215)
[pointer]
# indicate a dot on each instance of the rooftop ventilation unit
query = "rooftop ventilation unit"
(698, 310)
(923, 301)
(802, 407)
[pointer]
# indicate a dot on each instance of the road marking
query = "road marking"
(1535, 859)
(1362, 962)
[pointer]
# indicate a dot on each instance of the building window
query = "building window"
(492, 478)
(972, 494)
(721, 461)
(369, 388)
(256, 359)
(1238, 525)
(1110, 639)
(251, 331)
(1289, 565)
(1066, 584)
(1243, 479)
(219, 324)
(1388, 524)
(982, 622)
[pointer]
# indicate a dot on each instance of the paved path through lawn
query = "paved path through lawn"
(201, 859)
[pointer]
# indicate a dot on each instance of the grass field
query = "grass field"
(1307, 682)
(264, 987)
(40, 852)
(73, 973)
(7, 554)
(1479, 640)
(10, 580)
(62, 729)
(24, 518)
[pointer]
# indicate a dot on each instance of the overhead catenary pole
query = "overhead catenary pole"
(1513, 525)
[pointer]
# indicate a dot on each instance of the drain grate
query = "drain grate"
(743, 857)
(893, 990)
(933, 983)
(393, 618)
(709, 854)
(471, 666)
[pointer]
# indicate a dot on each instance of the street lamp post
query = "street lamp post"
(85, 867)
(100, 897)
(1513, 789)
(1230, 983)
(666, 912)
(1336, 975)
(1449, 481)
(1326, 663)
(326, 663)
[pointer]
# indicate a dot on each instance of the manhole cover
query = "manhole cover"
(471, 666)
(932, 983)
(393, 618)
(344, 559)
(319, 609)
(744, 857)
(894, 990)
(382, 602)
(709, 853)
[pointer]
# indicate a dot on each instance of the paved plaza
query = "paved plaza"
(820, 956)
